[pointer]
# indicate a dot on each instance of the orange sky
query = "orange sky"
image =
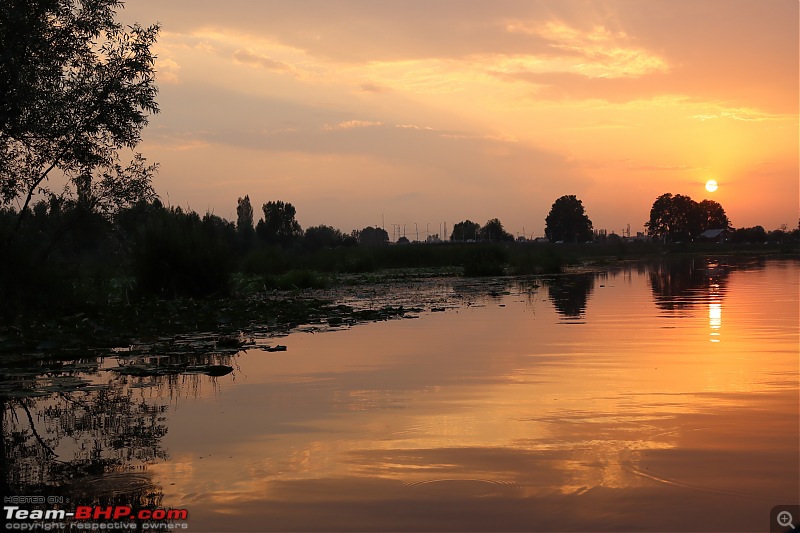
(432, 111)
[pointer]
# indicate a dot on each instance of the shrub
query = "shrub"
(485, 261)
(178, 254)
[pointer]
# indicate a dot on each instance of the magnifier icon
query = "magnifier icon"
(785, 519)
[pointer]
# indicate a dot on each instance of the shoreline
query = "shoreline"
(254, 310)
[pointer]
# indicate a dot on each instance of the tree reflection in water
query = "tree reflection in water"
(569, 294)
(71, 429)
(680, 284)
(53, 444)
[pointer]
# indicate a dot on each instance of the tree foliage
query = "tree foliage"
(493, 231)
(678, 217)
(178, 253)
(756, 234)
(370, 236)
(567, 221)
(319, 237)
(465, 231)
(244, 216)
(279, 225)
(712, 216)
(76, 88)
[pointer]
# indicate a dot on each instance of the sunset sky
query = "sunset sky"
(439, 111)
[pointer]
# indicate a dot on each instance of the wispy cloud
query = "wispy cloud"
(742, 115)
(253, 58)
(597, 53)
(661, 168)
(349, 124)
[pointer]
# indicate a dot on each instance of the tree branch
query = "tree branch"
(47, 448)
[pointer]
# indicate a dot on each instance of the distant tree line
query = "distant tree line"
(64, 246)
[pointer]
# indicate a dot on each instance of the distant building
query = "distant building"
(715, 235)
(639, 237)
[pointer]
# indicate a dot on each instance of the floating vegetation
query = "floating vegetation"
(278, 348)
(156, 337)
(167, 369)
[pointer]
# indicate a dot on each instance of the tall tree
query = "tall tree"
(567, 221)
(318, 237)
(712, 216)
(279, 225)
(76, 88)
(370, 236)
(679, 217)
(244, 217)
(493, 231)
(465, 231)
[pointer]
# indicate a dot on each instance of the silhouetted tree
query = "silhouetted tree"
(76, 87)
(177, 253)
(756, 234)
(672, 217)
(493, 231)
(318, 237)
(465, 231)
(567, 221)
(779, 235)
(279, 225)
(244, 217)
(370, 236)
(679, 217)
(712, 216)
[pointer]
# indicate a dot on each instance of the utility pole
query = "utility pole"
(417, 228)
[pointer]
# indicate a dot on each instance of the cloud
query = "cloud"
(661, 168)
(252, 58)
(167, 71)
(369, 87)
(579, 86)
(742, 115)
(347, 124)
(596, 53)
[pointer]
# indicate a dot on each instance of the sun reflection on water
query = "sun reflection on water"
(715, 320)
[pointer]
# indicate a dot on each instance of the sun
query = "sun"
(711, 185)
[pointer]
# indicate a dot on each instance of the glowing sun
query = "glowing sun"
(711, 185)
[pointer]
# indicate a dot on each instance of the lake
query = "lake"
(653, 396)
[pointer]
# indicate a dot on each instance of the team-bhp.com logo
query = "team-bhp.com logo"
(117, 517)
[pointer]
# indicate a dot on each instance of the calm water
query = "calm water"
(654, 397)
